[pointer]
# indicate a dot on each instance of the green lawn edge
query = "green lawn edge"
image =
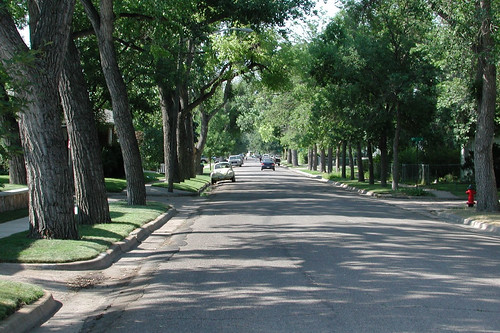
(14, 295)
(94, 239)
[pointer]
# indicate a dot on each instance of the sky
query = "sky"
(328, 7)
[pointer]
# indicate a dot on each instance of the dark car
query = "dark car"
(267, 163)
(277, 159)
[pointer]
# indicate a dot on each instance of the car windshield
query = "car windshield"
(222, 166)
(266, 160)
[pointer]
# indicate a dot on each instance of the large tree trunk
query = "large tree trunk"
(330, 159)
(344, 158)
(361, 171)
(310, 158)
(371, 174)
(351, 161)
(90, 191)
(384, 160)
(46, 155)
(169, 109)
(13, 145)
(185, 146)
(487, 197)
(205, 118)
(337, 158)
(295, 158)
(12, 142)
(315, 157)
(395, 152)
(17, 165)
(322, 155)
(103, 27)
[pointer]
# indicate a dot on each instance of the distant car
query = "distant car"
(222, 171)
(236, 160)
(277, 159)
(267, 163)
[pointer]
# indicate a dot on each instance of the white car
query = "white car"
(222, 171)
(236, 160)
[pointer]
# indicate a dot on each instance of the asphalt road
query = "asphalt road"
(278, 252)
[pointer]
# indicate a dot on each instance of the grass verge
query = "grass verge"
(5, 186)
(471, 213)
(93, 240)
(190, 185)
(13, 295)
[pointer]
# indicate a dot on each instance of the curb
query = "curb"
(482, 226)
(107, 258)
(32, 315)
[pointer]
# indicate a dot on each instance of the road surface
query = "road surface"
(279, 252)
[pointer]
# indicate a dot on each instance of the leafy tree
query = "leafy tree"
(49, 177)
(102, 23)
(471, 25)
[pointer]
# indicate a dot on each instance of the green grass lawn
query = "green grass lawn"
(5, 186)
(13, 295)
(190, 185)
(93, 240)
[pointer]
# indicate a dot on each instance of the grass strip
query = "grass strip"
(189, 185)
(5, 186)
(471, 213)
(13, 295)
(94, 239)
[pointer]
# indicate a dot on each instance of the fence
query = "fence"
(428, 173)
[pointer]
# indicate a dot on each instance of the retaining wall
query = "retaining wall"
(14, 199)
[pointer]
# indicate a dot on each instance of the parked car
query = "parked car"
(267, 163)
(236, 160)
(277, 159)
(222, 171)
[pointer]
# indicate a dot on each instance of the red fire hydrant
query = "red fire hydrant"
(470, 196)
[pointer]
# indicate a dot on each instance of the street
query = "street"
(279, 252)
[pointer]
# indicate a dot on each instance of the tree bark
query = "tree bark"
(384, 160)
(487, 197)
(46, 155)
(315, 157)
(169, 109)
(13, 145)
(103, 26)
(344, 158)
(361, 171)
(322, 155)
(395, 152)
(205, 118)
(371, 174)
(337, 158)
(310, 159)
(330, 159)
(90, 191)
(351, 161)
(295, 158)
